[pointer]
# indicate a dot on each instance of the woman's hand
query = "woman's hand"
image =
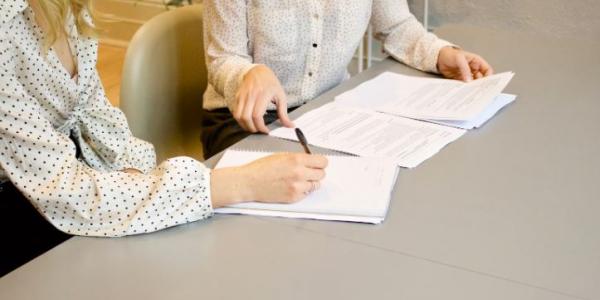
(259, 88)
(278, 178)
(462, 65)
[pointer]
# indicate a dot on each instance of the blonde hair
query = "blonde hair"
(55, 12)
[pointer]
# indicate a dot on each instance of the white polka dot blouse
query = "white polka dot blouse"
(63, 145)
(308, 44)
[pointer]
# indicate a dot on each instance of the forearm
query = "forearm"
(226, 45)
(226, 74)
(404, 38)
(82, 201)
(414, 46)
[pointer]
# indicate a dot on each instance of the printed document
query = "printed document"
(427, 98)
(367, 133)
(499, 102)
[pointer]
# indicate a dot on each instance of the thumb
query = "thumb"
(282, 114)
(464, 68)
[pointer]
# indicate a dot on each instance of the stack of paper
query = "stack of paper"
(402, 118)
(449, 102)
(355, 189)
(361, 132)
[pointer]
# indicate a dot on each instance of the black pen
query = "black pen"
(302, 140)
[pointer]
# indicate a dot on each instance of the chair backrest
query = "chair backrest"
(164, 77)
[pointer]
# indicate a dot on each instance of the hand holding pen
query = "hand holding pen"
(302, 139)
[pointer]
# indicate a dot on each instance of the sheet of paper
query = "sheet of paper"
(426, 98)
(366, 133)
(355, 189)
(499, 102)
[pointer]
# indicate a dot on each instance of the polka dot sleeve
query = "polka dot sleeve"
(404, 38)
(41, 162)
(106, 140)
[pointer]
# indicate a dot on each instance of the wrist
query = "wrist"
(255, 68)
(443, 53)
(230, 186)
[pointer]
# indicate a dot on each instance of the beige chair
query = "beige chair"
(164, 77)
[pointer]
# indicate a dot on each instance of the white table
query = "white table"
(509, 211)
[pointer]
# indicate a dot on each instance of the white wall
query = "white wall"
(554, 18)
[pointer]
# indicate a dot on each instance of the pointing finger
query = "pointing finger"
(282, 114)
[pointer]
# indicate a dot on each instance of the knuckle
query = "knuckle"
(322, 174)
(255, 95)
(294, 159)
(296, 188)
(296, 174)
(258, 90)
(256, 117)
(292, 191)
(324, 161)
(236, 111)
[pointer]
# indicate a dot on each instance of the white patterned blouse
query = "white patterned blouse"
(308, 44)
(63, 145)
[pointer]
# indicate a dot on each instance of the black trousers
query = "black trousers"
(25, 233)
(220, 130)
